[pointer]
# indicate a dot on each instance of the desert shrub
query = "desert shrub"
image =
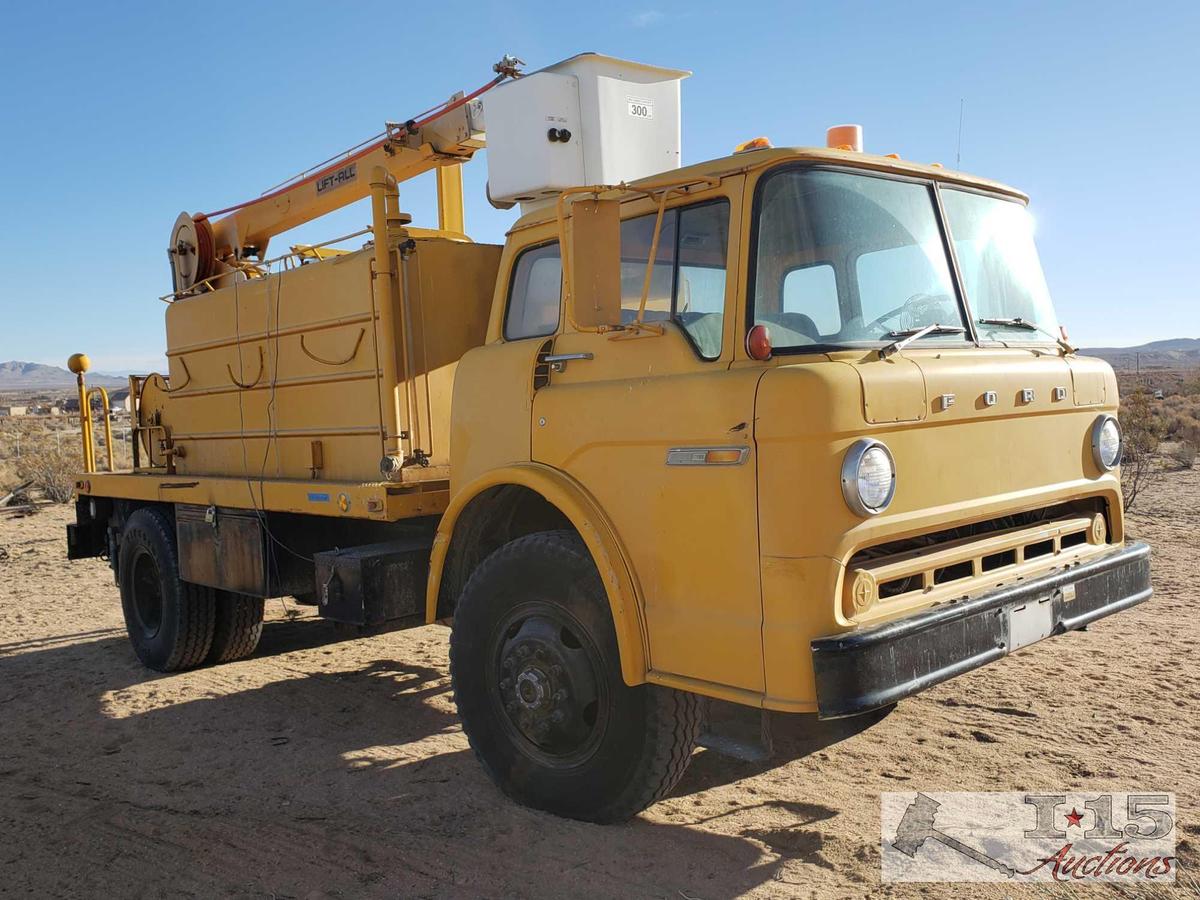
(1190, 434)
(1184, 454)
(8, 475)
(44, 452)
(1181, 416)
(52, 472)
(1142, 431)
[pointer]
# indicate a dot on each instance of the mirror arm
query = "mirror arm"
(662, 208)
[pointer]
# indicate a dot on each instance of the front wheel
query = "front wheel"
(537, 681)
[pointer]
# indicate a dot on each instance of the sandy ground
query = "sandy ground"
(325, 767)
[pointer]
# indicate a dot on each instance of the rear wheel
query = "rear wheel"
(169, 621)
(537, 681)
(239, 622)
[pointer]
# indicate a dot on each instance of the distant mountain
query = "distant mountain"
(1174, 353)
(18, 376)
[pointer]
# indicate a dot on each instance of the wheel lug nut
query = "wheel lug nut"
(505, 684)
(540, 653)
(522, 651)
(556, 670)
(558, 715)
(560, 694)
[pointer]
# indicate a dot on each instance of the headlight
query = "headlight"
(1106, 443)
(868, 477)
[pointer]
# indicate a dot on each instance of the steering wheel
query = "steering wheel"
(918, 306)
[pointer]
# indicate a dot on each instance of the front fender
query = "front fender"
(581, 509)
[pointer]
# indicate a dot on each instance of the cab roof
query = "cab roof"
(758, 159)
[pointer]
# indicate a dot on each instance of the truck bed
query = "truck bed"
(379, 501)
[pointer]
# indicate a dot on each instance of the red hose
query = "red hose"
(205, 255)
(441, 111)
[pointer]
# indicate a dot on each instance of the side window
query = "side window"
(688, 281)
(700, 283)
(534, 294)
(636, 235)
(811, 293)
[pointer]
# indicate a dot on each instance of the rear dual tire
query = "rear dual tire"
(537, 680)
(174, 624)
(239, 622)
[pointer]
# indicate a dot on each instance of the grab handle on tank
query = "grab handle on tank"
(335, 362)
(166, 387)
(257, 378)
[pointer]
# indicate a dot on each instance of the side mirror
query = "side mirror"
(592, 276)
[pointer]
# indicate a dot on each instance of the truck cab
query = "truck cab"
(807, 498)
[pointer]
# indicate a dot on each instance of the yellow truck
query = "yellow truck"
(794, 428)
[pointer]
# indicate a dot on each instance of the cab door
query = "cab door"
(659, 430)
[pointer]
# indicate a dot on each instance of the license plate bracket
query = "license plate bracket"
(1030, 622)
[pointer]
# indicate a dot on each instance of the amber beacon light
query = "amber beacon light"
(845, 137)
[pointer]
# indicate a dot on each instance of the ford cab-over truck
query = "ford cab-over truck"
(793, 428)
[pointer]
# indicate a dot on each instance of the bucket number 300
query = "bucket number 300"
(641, 109)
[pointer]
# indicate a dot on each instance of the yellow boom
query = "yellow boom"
(206, 246)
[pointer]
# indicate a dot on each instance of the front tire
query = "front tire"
(169, 621)
(537, 681)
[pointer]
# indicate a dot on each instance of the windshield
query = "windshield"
(845, 258)
(1001, 274)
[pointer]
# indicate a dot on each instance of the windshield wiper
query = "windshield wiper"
(903, 338)
(1026, 325)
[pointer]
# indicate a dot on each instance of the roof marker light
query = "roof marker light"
(758, 143)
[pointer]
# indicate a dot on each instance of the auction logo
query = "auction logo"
(1079, 838)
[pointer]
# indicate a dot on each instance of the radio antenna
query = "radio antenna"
(958, 149)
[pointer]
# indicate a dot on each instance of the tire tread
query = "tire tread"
(239, 624)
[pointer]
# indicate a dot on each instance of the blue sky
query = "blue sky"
(119, 115)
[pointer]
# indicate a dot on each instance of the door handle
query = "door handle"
(558, 361)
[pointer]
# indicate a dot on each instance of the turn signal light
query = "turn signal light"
(727, 457)
(758, 343)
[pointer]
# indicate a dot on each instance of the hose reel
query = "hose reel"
(192, 253)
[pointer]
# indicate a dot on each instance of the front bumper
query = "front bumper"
(863, 670)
